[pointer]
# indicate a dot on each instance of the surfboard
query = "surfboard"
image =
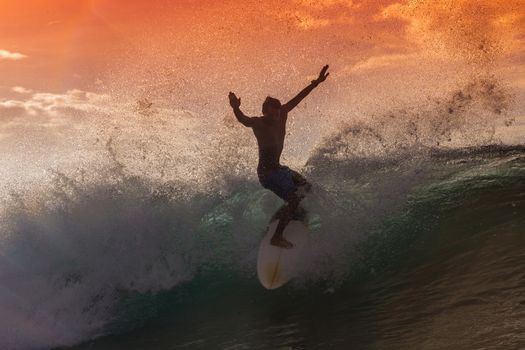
(275, 265)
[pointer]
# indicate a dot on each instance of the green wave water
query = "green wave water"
(406, 254)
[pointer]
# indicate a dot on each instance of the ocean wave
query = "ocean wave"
(72, 250)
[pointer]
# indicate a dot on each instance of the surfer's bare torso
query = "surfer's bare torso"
(270, 135)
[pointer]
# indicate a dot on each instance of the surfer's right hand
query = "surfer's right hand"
(235, 101)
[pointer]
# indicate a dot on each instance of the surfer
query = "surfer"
(270, 130)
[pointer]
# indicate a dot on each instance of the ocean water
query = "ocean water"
(417, 241)
(444, 271)
(434, 263)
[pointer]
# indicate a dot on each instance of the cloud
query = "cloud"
(314, 14)
(70, 108)
(383, 61)
(304, 20)
(477, 31)
(41, 107)
(12, 56)
(21, 90)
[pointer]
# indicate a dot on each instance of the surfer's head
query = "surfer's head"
(271, 107)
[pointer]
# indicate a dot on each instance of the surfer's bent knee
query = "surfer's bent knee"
(293, 200)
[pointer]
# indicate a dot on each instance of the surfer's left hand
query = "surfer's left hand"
(322, 75)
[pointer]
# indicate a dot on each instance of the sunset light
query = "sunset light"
(248, 174)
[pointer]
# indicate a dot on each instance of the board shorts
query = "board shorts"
(280, 182)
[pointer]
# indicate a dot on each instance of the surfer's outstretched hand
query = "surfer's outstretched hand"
(322, 75)
(235, 101)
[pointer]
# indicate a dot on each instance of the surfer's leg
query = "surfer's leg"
(301, 183)
(282, 184)
(285, 214)
(299, 180)
(279, 213)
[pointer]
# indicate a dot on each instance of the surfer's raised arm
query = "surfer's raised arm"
(235, 102)
(304, 92)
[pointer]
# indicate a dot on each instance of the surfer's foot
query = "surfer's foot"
(281, 242)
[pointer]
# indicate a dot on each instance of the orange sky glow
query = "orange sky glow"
(187, 54)
(73, 43)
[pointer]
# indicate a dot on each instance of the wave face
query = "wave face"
(415, 248)
(141, 231)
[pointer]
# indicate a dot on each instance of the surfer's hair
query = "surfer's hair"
(270, 102)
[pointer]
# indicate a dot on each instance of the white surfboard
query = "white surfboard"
(275, 265)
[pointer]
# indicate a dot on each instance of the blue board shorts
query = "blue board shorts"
(280, 182)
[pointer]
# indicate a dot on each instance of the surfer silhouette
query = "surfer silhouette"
(270, 130)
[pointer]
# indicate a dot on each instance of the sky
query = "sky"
(56, 45)
(64, 61)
